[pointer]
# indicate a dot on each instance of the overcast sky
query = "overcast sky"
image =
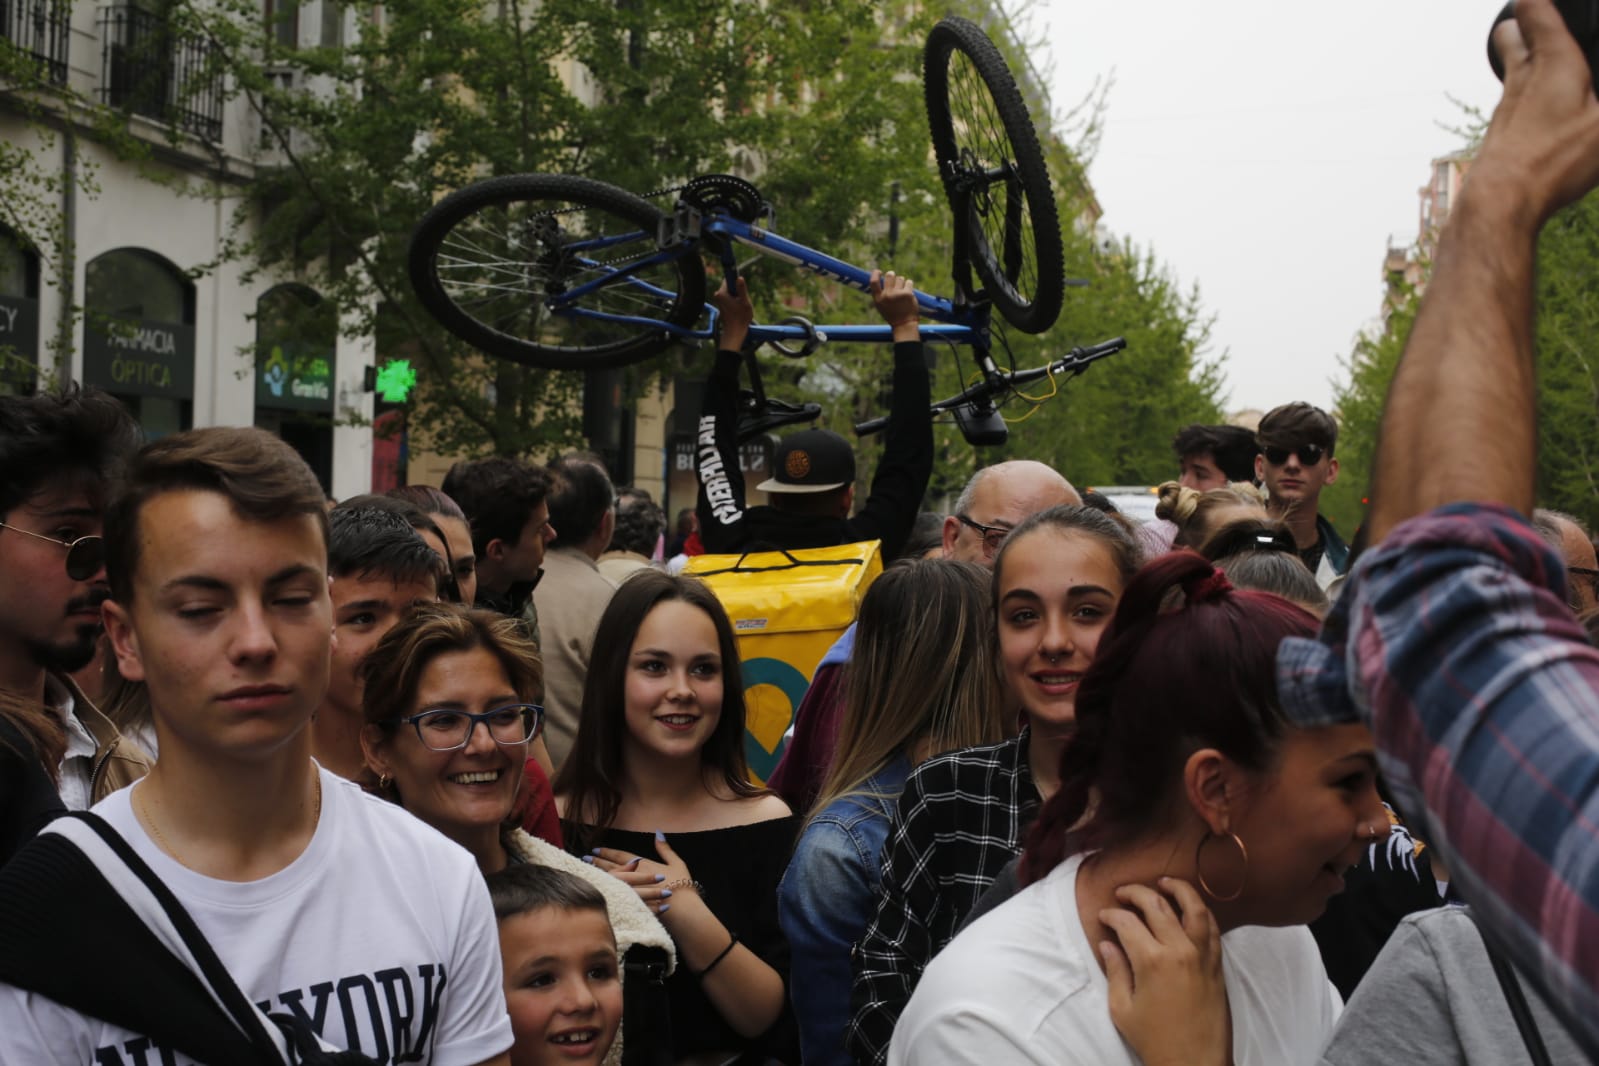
(1268, 150)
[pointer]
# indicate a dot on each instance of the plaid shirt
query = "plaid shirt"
(1454, 640)
(960, 821)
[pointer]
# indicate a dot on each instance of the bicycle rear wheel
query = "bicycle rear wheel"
(492, 262)
(994, 174)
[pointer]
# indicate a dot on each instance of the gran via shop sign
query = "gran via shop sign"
(294, 377)
(139, 357)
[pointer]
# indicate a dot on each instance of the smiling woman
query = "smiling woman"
(1056, 582)
(657, 778)
(1194, 831)
(448, 702)
(449, 712)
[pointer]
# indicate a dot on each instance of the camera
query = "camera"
(1582, 19)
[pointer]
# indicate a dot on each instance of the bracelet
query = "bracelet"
(686, 882)
(731, 944)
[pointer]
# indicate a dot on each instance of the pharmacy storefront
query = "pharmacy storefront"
(138, 337)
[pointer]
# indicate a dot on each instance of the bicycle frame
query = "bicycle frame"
(685, 230)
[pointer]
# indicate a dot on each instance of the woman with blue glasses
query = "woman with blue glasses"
(450, 713)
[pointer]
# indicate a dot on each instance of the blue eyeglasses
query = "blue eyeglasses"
(441, 729)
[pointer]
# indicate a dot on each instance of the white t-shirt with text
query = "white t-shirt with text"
(1022, 985)
(381, 934)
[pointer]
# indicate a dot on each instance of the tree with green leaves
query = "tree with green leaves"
(1567, 334)
(1114, 424)
(641, 93)
(820, 104)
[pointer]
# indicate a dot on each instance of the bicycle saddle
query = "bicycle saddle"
(756, 417)
(1582, 19)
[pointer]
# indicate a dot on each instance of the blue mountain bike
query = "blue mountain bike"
(570, 273)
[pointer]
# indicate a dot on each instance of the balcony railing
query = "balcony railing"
(153, 69)
(40, 28)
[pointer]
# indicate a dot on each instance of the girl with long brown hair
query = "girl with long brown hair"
(922, 681)
(656, 790)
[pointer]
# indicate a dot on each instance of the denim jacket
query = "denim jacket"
(826, 900)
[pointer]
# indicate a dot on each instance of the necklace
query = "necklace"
(161, 838)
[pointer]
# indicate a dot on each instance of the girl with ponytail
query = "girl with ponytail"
(1194, 832)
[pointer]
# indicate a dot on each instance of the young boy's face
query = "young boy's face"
(365, 607)
(561, 985)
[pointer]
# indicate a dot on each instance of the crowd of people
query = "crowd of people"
(458, 774)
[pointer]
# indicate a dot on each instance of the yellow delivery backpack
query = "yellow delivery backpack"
(787, 607)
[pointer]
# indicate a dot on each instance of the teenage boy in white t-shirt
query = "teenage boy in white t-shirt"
(321, 901)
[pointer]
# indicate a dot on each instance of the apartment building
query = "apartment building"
(1407, 266)
(131, 287)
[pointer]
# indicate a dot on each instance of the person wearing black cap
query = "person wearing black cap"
(812, 487)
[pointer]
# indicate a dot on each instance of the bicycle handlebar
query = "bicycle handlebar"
(1073, 362)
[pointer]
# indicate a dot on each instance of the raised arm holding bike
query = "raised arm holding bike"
(1453, 636)
(813, 483)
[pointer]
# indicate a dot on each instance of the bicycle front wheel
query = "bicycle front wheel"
(553, 271)
(994, 175)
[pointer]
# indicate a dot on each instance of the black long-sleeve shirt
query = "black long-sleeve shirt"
(28, 798)
(727, 525)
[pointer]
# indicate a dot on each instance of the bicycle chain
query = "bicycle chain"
(556, 212)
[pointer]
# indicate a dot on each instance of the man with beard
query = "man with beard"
(58, 452)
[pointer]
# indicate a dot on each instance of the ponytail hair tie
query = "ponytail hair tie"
(1212, 586)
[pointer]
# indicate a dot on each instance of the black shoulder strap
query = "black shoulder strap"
(1537, 1054)
(71, 929)
(211, 970)
(277, 1039)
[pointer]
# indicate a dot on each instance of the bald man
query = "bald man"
(1568, 536)
(995, 501)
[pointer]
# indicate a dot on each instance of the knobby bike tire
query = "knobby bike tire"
(484, 259)
(1025, 276)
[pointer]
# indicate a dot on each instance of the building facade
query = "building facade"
(127, 288)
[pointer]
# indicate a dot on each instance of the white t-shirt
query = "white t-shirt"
(381, 933)
(1021, 985)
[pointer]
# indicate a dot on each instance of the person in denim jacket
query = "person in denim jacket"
(923, 681)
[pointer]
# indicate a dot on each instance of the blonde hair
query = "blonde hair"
(1191, 511)
(923, 672)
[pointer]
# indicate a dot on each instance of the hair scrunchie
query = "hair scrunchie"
(1204, 589)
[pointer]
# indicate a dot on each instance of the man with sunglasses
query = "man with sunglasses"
(58, 451)
(1567, 535)
(1295, 463)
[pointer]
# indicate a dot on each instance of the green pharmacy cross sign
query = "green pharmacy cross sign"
(396, 379)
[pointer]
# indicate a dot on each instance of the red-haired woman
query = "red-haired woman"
(1195, 831)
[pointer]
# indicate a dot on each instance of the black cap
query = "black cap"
(812, 460)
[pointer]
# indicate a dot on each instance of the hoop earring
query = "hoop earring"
(384, 781)
(1199, 871)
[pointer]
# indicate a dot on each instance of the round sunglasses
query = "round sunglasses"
(85, 556)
